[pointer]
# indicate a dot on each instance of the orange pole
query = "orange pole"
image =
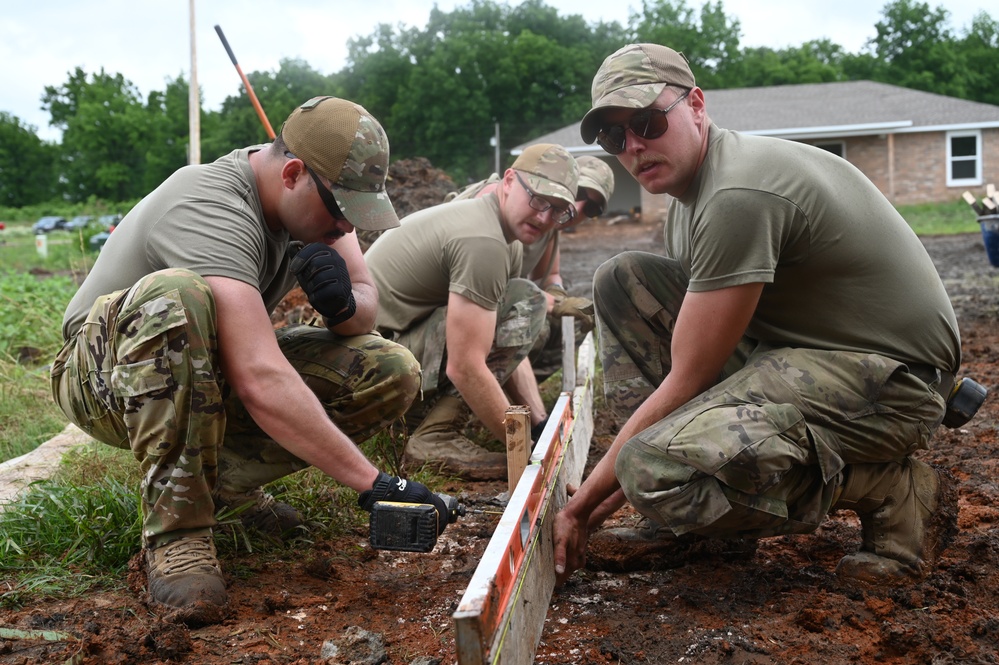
(246, 84)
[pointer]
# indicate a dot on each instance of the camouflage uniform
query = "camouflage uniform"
(519, 319)
(759, 452)
(143, 373)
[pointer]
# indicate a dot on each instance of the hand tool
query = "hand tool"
(246, 84)
(412, 527)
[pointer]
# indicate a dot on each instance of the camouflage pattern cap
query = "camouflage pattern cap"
(596, 174)
(633, 77)
(342, 142)
(550, 171)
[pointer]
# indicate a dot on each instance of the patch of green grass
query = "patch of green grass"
(59, 538)
(28, 415)
(940, 218)
(66, 251)
(31, 311)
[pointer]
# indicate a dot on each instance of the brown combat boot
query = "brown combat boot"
(651, 546)
(908, 517)
(184, 577)
(438, 442)
(259, 510)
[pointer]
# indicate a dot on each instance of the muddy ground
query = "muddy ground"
(783, 605)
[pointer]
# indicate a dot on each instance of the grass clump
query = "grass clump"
(58, 539)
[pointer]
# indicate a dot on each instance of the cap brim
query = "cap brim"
(630, 97)
(368, 211)
(547, 187)
(594, 185)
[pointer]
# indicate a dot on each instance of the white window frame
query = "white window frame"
(965, 182)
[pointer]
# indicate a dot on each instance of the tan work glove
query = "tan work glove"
(579, 308)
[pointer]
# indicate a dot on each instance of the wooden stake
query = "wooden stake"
(568, 354)
(969, 198)
(518, 443)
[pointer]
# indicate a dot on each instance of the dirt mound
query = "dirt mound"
(413, 184)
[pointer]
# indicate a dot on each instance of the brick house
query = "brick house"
(917, 147)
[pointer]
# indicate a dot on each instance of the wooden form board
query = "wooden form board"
(502, 613)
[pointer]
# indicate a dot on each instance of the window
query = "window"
(838, 148)
(964, 158)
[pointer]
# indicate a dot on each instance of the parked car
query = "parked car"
(48, 224)
(108, 222)
(78, 222)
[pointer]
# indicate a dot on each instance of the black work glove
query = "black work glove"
(323, 275)
(579, 308)
(392, 488)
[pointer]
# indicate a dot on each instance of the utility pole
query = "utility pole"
(194, 102)
(495, 142)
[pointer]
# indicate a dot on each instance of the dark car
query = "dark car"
(78, 222)
(48, 224)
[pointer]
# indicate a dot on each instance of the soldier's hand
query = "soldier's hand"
(577, 307)
(323, 275)
(402, 490)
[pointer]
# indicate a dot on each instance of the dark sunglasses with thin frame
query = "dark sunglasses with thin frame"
(590, 208)
(648, 123)
(325, 194)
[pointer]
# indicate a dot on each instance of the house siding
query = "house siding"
(920, 165)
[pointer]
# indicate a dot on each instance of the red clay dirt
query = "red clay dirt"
(781, 605)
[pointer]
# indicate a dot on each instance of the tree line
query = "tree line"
(440, 90)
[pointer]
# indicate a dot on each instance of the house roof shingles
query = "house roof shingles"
(816, 110)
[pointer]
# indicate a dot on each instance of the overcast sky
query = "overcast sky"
(148, 41)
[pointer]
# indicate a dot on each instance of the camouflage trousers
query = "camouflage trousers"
(143, 374)
(519, 320)
(761, 452)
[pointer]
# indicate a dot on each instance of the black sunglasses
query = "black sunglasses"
(326, 195)
(647, 124)
(590, 208)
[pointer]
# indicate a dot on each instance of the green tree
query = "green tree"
(980, 48)
(439, 91)
(817, 61)
(27, 164)
(378, 68)
(915, 49)
(237, 124)
(708, 38)
(167, 143)
(103, 123)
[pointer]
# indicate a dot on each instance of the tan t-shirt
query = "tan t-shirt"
(842, 269)
(456, 247)
(205, 218)
(533, 252)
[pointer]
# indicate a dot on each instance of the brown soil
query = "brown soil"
(781, 605)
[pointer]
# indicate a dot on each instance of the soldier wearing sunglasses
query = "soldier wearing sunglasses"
(170, 351)
(786, 355)
(451, 292)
